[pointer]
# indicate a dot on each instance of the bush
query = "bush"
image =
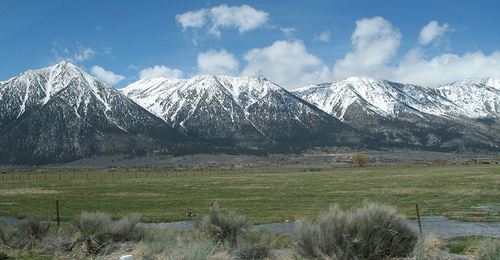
(126, 229)
(4, 256)
(25, 234)
(381, 232)
(373, 231)
(255, 245)
(59, 243)
(8, 234)
(97, 229)
(430, 247)
(93, 230)
(360, 159)
(223, 227)
(35, 228)
(168, 244)
(488, 249)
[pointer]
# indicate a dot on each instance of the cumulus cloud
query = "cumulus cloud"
(217, 62)
(431, 32)
(83, 54)
(324, 36)
(287, 63)
(375, 41)
(192, 19)
(445, 68)
(244, 18)
(106, 75)
(159, 71)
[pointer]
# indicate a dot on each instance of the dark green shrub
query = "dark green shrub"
(4, 256)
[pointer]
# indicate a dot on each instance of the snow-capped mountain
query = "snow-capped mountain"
(475, 98)
(61, 113)
(399, 113)
(235, 108)
(378, 97)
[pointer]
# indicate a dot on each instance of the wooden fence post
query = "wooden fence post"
(418, 218)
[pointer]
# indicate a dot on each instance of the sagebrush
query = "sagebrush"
(373, 231)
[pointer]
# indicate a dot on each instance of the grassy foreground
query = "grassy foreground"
(261, 194)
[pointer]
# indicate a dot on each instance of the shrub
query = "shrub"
(25, 234)
(4, 256)
(373, 231)
(126, 229)
(97, 229)
(380, 232)
(223, 227)
(255, 245)
(167, 244)
(93, 230)
(488, 249)
(307, 239)
(360, 159)
(430, 247)
(7, 233)
(59, 243)
(35, 228)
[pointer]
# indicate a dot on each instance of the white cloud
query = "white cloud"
(445, 68)
(375, 41)
(193, 19)
(160, 71)
(106, 75)
(286, 63)
(288, 31)
(217, 62)
(83, 54)
(324, 36)
(431, 32)
(244, 18)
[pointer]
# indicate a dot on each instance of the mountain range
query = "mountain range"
(60, 113)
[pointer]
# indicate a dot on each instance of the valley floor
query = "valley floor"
(263, 194)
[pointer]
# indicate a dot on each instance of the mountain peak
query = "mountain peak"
(489, 82)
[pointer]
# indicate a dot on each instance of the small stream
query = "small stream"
(432, 224)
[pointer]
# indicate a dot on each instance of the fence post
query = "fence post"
(418, 218)
(57, 212)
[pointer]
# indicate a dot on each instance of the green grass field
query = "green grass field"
(262, 194)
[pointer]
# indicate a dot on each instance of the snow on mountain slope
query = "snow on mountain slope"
(35, 87)
(378, 97)
(223, 106)
(61, 113)
(476, 98)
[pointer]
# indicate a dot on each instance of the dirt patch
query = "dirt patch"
(26, 191)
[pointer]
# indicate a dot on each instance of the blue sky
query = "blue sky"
(290, 42)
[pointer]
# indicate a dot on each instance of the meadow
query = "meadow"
(263, 195)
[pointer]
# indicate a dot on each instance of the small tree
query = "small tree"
(360, 159)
